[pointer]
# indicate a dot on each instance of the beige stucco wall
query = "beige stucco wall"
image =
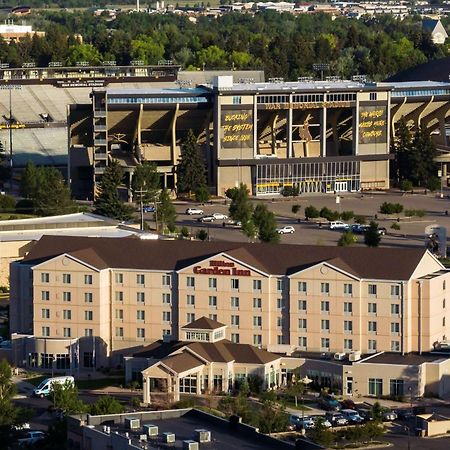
(11, 251)
(229, 177)
(374, 174)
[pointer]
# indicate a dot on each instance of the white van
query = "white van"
(45, 386)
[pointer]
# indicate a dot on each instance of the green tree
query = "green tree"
(7, 203)
(311, 212)
(146, 49)
(272, 417)
(421, 163)
(212, 57)
(241, 208)
(295, 209)
(108, 202)
(191, 166)
(165, 214)
(266, 224)
(202, 194)
(146, 179)
(65, 398)
(347, 238)
(250, 229)
(29, 180)
(401, 148)
(83, 52)
(295, 389)
(106, 405)
(371, 237)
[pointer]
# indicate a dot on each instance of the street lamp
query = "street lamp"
(305, 381)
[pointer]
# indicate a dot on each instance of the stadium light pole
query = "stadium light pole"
(320, 67)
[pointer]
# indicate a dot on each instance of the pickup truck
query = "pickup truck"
(31, 438)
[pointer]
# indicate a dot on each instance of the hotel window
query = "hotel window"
(140, 315)
(257, 339)
(325, 307)
(235, 284)
(325, 344)
(257, 285)
(395, 346)
(190, 300)
(119, 278)
(119, 314)
(395, 328)
(166, 333)
(348, 344)
(140, 279)
(235, 302)
(348, 308)
(372, 345)
(302, 342)
(88, 332)
(235, 321)
(212, 284)
(45, 295)
(140, 333)
(443, 321)
(395, 291)
(119, 296)
(66, 278)
(212, 301)
(348, 289)
(166, 281)
(67, 296)
(395, 309)
(190, 282)
(372, 327)
(443, 285)
(279, 322)
(280, 285)
(190, 317)
(88, 279)
(46, 331)
(348, 326)
(213, 317)
(302, 324)
(88, 315)
(140, 297)
(257, 322)
(166, 298)
(45, 277)
(235, 338)
(256, 303)
(119, 331)
(372, 309)
(302, 287)
(396, 388)
(67, 314)
(325, 288)
(237, 99)
(443, 303)
(166, 316)
(376, 386)
(280, 304)
(302, 305)
(372, 289)
(280, 340)
(372, 95)
(88, 297)
(325, 325)
(67, 332)
(45, 313)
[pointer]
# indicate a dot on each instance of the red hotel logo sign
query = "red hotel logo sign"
(222, 268)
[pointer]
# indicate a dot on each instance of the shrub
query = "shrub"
(347, 215)
(347, 238)
(391, 208)
(202, 235)
(202, 194)
(328, 214)
(25, 206)
(295, 209)
(184, 232)
(434, 184)
(360, 219)
(7, 203)
(290, 191)
(406, 185)
(395, 226)
(414, 212)
(311, 212)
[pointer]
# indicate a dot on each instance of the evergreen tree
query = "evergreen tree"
(401, 148)
(145, 178)
(165, 212)
(423, 152)
(371, 237)
(266, 224)
(108, 202)
(191, 166)
(29, 180)
(241, 209)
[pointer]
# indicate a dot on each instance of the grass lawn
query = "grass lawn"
(299, 407)
(14, 216)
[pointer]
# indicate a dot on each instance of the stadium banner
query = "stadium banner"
(76, 83)
(237, 128)
(372, 124)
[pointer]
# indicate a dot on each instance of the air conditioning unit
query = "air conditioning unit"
(190, 445)
(131, 423)
(168, 437)
(339, 356)
(151, 430)
(202, 436)
(354, 356)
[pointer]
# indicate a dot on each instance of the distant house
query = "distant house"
(435, 27)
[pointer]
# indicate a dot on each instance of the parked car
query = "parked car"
(348, 404)
(234, 223)
(305, 423)
(352, 416)
(389, 416)
(194, 211)
(45, 387)
(220, 216)
(382, 231)
(366, 414)
(329, 403)
(31, 438)
(206, 219)
(336, 419)
(358, 228)
(148, 208)
(404, 414)
(288, 229)
(338, 225)
(6, 344)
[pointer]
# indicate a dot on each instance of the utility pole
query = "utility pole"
(140, 192)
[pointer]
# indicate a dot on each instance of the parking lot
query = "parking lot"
(411, 231)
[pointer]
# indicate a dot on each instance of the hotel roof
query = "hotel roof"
(281, 259)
